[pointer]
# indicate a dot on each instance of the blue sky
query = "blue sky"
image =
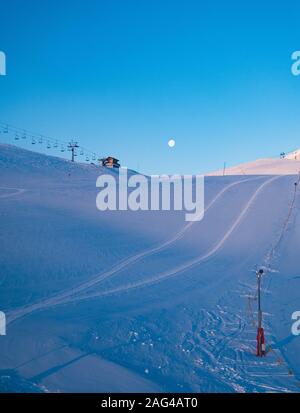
(125, 76)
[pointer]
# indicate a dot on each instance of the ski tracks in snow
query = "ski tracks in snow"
(17, 191)
(188, 265)
(70, 295)
(227, 350)
(227, 343)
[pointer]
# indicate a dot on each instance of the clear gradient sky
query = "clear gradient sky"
(124, 76)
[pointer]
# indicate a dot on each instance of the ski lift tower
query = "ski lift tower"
(72, 147)
(261, 344)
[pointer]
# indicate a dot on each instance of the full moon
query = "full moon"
(171, 143)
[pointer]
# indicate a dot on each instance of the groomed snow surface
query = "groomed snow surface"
(143, 301)
(290, 165)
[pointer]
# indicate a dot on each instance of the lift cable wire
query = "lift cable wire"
(37, 138)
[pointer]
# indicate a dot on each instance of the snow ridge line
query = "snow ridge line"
(57, 299)
(181, 268)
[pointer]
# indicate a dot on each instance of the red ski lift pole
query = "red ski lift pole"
(261, 344)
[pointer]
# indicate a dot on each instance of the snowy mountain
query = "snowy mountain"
(142, 301)
(289, 165)
(295, 156)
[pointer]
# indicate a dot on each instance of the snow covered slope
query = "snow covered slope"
(290, 165)
(139, 301)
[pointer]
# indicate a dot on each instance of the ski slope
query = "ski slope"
(290, 165)
(143, 301)
(65, 296)
(8, 192)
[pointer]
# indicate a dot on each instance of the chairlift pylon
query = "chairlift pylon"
(18, 134)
